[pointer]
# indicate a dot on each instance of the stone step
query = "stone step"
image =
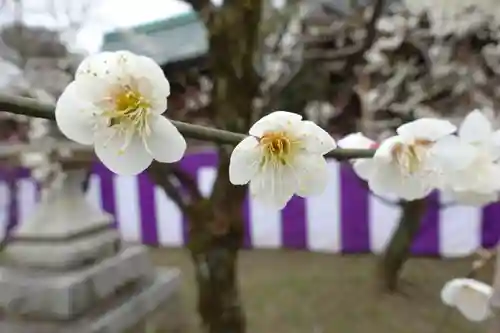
(142, 307)
(39, 293)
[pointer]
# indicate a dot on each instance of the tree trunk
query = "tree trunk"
(216, 235)
(215, 259)
(216, 224)
(398, 250)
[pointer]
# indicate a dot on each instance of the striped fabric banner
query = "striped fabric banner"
(344, 219)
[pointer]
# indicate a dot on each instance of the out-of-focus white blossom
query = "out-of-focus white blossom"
(282, 156)
(115, 104)
(319, 111)
(478, 182)
(406, 164)
(363, 167)
(456, 17)
(469, 296)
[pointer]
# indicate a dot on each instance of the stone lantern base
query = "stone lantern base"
(65, 270)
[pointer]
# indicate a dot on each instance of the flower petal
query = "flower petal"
(245, 161)
(475, 128)
(449, 291)
(469, 296)
(364, 168)
(387, 179)
(451, 153)
(426, 128)
(105, 65)
(413, 188)
(148, 67)
(275, 121)
(355, 141)
(384, 151)
(475, 198)
(274, 186)
(132, 161)
(315, 139)
(165, 142)
(495, 145)
(74, 116)
(312, 174)
(490, 178)
(472, 300)
(381, 182)
(151, 82)
(99, 72)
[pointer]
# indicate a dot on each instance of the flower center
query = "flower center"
(410, 157)
(277, 147)
(129, 110)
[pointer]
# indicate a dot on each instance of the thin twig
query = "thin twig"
(32, 108)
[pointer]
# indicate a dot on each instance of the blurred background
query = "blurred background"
(348, 65)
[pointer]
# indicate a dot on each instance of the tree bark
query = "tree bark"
(398, 250)
(215, 258)
(216, 235)
(216, 223)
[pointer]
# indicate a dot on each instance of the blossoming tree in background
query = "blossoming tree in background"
(428, 59)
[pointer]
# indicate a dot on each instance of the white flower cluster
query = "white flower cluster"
(426, 155)
(456, 16)
(116, 103)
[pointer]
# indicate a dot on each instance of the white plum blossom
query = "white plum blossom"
(469, 296)
(115, 104)
(282, 156)
(363, 167)
(477, 182)
(406, 164)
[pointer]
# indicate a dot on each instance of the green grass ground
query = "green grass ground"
(301, 292)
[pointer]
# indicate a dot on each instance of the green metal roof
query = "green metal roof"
(166, 41)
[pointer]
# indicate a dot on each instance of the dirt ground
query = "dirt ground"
(301, 292)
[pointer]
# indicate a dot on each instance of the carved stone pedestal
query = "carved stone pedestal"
(66, 271)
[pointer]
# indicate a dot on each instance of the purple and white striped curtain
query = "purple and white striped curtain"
(344, 219)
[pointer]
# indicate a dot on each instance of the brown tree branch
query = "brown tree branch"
(353, 54)
(32, 108)
(187, 182)
(160, 175)
(371, 33)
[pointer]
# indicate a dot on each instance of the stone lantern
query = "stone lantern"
(65, 269)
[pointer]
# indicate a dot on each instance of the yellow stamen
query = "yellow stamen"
(277, 147)
(130, 110)
(410, 157)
